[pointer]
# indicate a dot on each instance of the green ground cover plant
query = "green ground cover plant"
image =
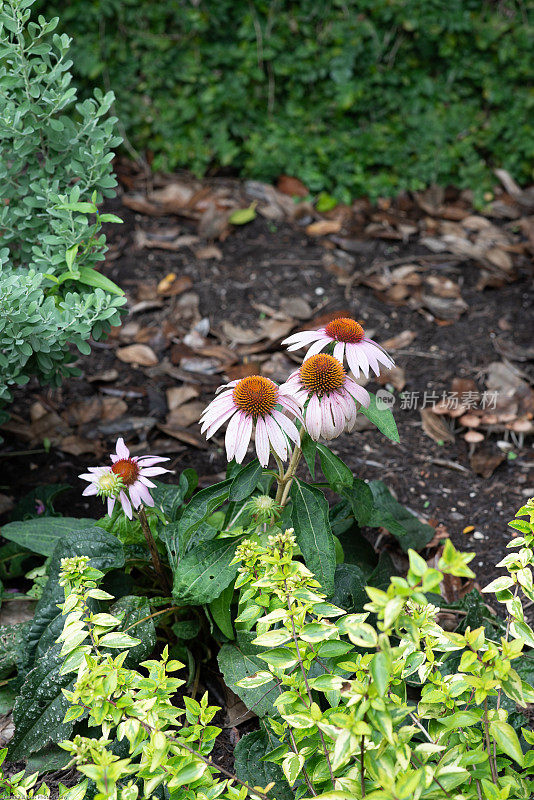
(365, 97)
(359, 689)
(55, 170)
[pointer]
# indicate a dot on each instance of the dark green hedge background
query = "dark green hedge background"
(352, 96)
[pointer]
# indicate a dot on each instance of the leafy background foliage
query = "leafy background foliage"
(358, 97)
(55, 168)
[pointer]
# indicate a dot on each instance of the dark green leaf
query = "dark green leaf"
(338, 475)
(245, 481)
(170, 498)
(400, 522)
(361, 500)
(195, 513)
(309, 450)
(132, 612)
(220, 609)
(238, 661)
(26, 508)
(201, 575)
(383, 419)
(309, 516)
(250, 768)
(41, 535)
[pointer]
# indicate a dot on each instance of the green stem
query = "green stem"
(154, 555)
(488, 743)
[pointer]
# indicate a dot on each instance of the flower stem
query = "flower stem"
(154, 555)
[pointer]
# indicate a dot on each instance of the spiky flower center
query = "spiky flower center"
(322, 374)
(345, 329)
(127, 470)
(256, 396)
(109, 484)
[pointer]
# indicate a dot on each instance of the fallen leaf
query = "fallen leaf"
(137, 354)
(243, 370)
(83, 411)
(162, 241)
(184, 415)
(396, 376)
(172, 286)
(7, 731)
(207, 366)
(77, 445)
(323, 227)
(238, 335)
(292, 186)
(484, 462)
(184, 436)
(175, 196)
(296, 307)
(113, 407)
(6, 503)
(241, 216)
(399, 341)
(140, 204)
(178, 395)
(106, 376)
(208, 252)
(435, 426)
(214, 223)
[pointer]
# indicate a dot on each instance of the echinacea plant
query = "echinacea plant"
(265, 571)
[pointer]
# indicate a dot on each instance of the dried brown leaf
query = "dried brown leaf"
(435, 426)
(323, 227)
(178, 395)
(137, 354)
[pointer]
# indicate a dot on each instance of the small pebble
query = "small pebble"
(319, 291)
(478, 535)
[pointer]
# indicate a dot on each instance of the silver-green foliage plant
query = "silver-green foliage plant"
(385, 704)
(55, 168)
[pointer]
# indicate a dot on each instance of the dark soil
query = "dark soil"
(264, 263)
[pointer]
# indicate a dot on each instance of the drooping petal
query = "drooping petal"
(380, 353)
(126, 505)
(313, 417)
(361, 394)
(231, 435)
(327, 422)
(121, 449)
(316, 347)
(337, 413)
(369, 351)
(213, 427)
(146, 482)
(262, 442)
(287, 426)
(89, 490)
(339, 351)
(111, 505)
(291, 405)
(276, 438)
(357, 360)
(134, 495)
(143, 493)
(243, 438)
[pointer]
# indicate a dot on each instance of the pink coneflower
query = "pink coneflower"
(332, 396)
(127, 479)
(350, 342)
(251, 404)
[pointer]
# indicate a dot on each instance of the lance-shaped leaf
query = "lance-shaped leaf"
(309, 516)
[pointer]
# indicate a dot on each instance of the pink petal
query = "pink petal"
(357, 360)
(243, 438)
(146, 482)
(121, 449)
(262, 442)
(289, 427)
(361, 394)
(148, 461)
(292, 406)
(313, 417)
(369, 351)
(380, 354)
(226, 387)
(339, 351)
(134, 496)
(213, 427)
(126, 505)
(111, 505)
(88, 477)
(143, 493)
(231, 435)
(276, 438)
(298, 340)
(89, 490)
(327, 423)
(316, 348)
(149, 472)
(339, 417)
